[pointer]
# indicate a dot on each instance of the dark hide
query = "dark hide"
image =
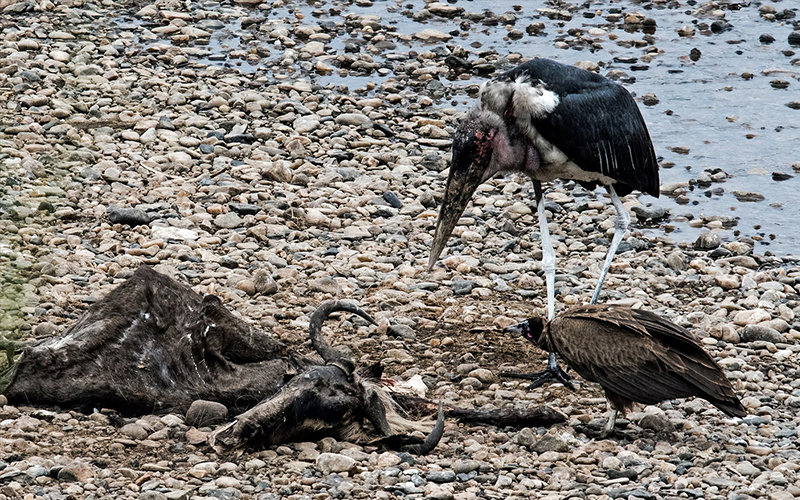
(537, 416)
(153, 344)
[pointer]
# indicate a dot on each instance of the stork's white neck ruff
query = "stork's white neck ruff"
(527, 98)
(524, 101)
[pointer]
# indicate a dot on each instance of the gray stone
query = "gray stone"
(720, 482)
(525, 437)
(305, 124)
(400, 355)
(224, 493)
(202, 413)
(148, 136)
(645, 213)
(264, 283)
(657, 422)
(707, 241)
(230, 220)
(745, 468)
(128, 216)
(463, 287)
(403, 331)
(748, 196)
(36, 471)
(133, 431)
(245, 208)
(752, 333)
(781, 495)
(76, 471)
(465, 466)
(325, 284)
(482, 374)
(351, 119)
(172, 233)
(44, 329)
(334, 462)
(548, 442)
(441, 476)
(392, 199)
(277, 172)
(152, 495)
(348, 173)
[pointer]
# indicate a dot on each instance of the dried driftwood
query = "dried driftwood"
(154, 345)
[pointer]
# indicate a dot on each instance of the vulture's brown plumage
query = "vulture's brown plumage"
(635, 355)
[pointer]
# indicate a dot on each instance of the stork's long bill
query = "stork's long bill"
(472, 165)
(458, 192)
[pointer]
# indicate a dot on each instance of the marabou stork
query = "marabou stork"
(635, 356)
(549, 120)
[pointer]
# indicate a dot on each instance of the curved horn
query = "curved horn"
(328, 353)
(433, 438)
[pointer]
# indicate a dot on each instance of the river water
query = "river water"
(722, 94)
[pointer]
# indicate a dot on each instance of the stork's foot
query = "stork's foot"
(597, 432)
(606, 433)
(550, 374)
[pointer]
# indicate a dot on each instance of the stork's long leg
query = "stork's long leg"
(548, 254)
(620, 228)
(553, 372)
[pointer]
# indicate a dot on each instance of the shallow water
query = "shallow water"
(707, 110)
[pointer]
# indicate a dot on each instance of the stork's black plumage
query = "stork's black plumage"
(635, 355)
(551, 121)
(596, 123)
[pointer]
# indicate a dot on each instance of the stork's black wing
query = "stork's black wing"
(597, 124)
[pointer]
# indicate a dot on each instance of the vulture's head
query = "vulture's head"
(531, 329)
(479, 137)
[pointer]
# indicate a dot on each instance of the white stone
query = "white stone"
(334, 462)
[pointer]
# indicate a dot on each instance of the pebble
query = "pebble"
(230, 220)
(356, 119)
(463, 287)
(751, 317)
(645, 213)
(465, 466)
(445, 476)
(334, 462)
(76, 470)
(550, 442)
(707, 241)
(325, 285)
(128, 216)
(133, 431)
(388, 459)
(203, 413)
(264, 283)
(752, 333)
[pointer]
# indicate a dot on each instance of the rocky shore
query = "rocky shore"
(130, 135)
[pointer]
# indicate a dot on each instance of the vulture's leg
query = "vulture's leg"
(620, 228)
(553, 372)
(608, 430)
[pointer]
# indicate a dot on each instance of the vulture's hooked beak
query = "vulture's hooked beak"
(531, 329)
(517, 329)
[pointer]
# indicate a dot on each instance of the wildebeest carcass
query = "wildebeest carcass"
(154, 345)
